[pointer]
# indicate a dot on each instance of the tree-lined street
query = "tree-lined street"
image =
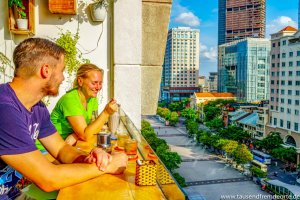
(203, 171)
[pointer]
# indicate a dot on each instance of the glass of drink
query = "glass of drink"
(121, 140)
(131, 148)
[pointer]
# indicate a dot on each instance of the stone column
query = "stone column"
(155, 22)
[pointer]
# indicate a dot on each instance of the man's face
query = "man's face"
(56, 78)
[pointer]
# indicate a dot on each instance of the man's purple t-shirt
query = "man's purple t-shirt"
(19, 128)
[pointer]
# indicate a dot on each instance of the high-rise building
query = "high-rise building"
(239, 19)
(181, 64)
(285, 86)
(243, 69)
(213, 82)
(299, 14)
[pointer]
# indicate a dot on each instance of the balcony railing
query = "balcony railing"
(165, 181)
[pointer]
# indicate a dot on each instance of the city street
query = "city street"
(205, 174)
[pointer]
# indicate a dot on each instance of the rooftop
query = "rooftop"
(214, 94)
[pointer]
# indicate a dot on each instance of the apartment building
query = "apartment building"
(240, 19)
(243, 69)
(181, 64)
(285, 86)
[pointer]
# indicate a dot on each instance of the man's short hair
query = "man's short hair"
(31, 53)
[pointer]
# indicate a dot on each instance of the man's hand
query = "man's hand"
(100, 157)
(118, 163)
(111, 107)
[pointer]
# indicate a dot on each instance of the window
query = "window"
(272, 98)
(283, 64)
(288, 111)
(272, 91)
(281, 100)
(297, 73)
(283, 55)
(273, 65)
(289, 92)
(282, 109)
(297, 82)
(296, 126)
(273, 44)
(283, 73)
(275, 121)
(284, 42)
(290, 64)
(297, 92)
(281, 123)
(297, 102)
(273, 73)
(273, 56)
(298, 63)
(282, 91)
(290, 82)
(296, 112)
(290, 73)
(298, 53)
(291, 54)
(282, 82)
(289, 101)
(288, 124)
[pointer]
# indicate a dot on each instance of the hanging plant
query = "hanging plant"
(5, 63)
(73, 56)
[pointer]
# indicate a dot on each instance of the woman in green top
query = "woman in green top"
(72, 115)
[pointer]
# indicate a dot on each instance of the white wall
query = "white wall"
(48, 25)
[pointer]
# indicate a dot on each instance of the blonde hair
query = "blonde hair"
(83, 70)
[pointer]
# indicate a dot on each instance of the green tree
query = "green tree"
(191, 127)
(258, 172)
(285, 154)
(171, 159)
(230, 146)
(189, 113)
(173, 118)
(216, 124)
(233, 132)
(211, 112)
(272, 141)
(242, 155)
(175, 106)
(180, 180)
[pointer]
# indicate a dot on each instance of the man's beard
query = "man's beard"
(50, 89)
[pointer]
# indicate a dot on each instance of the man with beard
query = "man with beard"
(39, 66)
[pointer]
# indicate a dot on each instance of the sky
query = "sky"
(203, 15)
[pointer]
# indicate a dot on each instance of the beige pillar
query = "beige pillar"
(155, 22)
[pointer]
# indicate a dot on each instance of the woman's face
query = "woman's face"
(91, 84)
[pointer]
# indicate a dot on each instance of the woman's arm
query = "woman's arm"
(86, 131)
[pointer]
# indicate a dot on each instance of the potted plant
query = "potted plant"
(19, 13)
(98, 10)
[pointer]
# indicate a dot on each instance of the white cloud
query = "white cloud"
(188, 18)
(278, 24)
(208, 53)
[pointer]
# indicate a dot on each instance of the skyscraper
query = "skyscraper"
(244, 69)
(239, 19)
(181, 64)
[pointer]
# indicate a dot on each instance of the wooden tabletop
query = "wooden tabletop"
(111, 187)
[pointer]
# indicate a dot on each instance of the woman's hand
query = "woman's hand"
(71, 139)
(111, 107)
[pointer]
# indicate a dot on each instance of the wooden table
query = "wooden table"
(111, 187)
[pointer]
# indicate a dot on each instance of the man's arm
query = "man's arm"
(51, 177)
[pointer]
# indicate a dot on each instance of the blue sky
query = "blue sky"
(203, 15)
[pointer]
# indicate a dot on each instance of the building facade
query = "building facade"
(239, 19)
(243, 69)
(285, 86)
(213, 82)
(181, 64)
